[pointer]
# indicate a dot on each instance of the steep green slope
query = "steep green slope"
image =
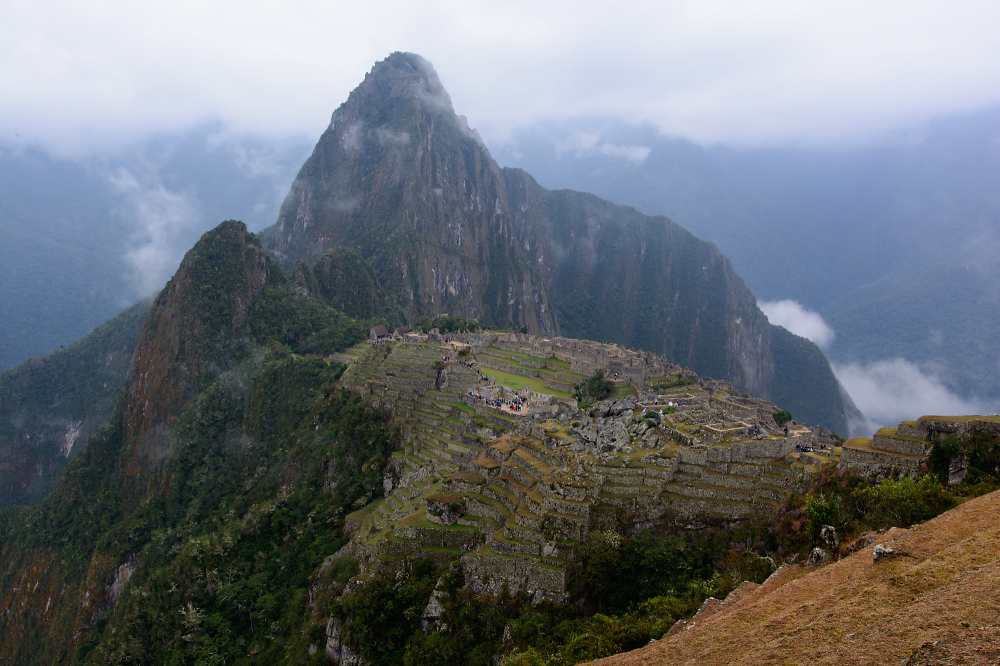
(50, 405)
(342, 279)
(213, 492)
(400, 181)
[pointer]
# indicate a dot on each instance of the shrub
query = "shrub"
(595, 388)
(781, 417)
(904, 502)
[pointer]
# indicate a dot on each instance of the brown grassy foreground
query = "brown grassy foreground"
(936, 601)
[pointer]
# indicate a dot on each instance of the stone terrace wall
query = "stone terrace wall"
(585, 357)
(488, 575)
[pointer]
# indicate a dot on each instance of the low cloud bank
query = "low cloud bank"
(895, 390)
(160, 218)
(792, 316)
(587, 143)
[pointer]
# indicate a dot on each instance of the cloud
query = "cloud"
(798, 320)
(895, 390)
(585, 143)
(390, 137)
(79, 75)
(160, 219)
(352, 137)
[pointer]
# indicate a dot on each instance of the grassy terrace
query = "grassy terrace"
(561, 363)
(517, 354)
(564, 366)
(962, 419)
(464, 407)
(419, 519)
(517, 382)
(364, 512)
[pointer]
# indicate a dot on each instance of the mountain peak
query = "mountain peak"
(402, 181)
(409, 75)
(397, 92)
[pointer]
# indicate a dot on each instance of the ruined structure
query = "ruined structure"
(503, 467)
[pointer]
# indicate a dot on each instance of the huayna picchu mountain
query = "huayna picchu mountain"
(420, 220)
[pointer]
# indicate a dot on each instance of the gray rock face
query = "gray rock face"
(335, 650)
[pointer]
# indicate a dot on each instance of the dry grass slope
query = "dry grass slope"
(936, 601)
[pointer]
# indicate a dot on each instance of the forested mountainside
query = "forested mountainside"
(401, 180)
(227, 432)
(51, 405)
(207, 520)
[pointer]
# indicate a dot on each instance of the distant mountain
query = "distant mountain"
(51, 405)
(86, 237)
(401, 180)
(892, 241)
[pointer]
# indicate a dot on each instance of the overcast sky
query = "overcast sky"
(79, 75)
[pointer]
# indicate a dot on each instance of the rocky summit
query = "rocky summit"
(402, 212)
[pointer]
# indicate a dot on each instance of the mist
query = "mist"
(800, 321)
(159, 219)
(710, 71)
(895, 390)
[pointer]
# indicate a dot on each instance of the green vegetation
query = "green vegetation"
(594, 388)
(44, 396)
(673, 384)
(517, 382)
(980, 450)
(782, 417)
(226, 554)
(447, 324)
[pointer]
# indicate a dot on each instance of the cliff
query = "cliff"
(400, 180)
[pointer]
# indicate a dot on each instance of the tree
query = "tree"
(595, 388)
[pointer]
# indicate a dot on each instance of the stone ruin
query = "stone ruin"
(514, 494)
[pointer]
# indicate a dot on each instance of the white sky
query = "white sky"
(81, 75)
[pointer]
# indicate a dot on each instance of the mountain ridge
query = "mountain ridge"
(400, 179)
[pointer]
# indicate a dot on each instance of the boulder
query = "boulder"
(881, 552)
(818, 555)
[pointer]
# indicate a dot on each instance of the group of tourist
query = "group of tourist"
(381, 340)
(656, 401)
(515, 404)
(799, 448)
